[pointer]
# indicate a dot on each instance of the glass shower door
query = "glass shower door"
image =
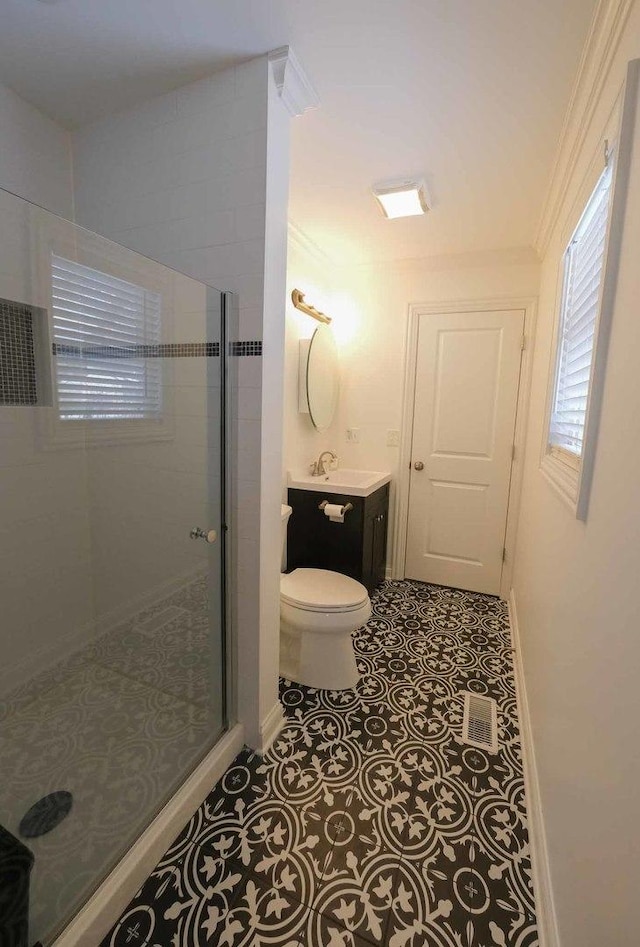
(112, 683)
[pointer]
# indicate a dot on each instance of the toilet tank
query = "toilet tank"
(286, 512)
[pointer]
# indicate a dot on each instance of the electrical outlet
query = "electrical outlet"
(353, 435)
(393, 438)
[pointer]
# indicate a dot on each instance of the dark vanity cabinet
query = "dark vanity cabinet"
(357, 547)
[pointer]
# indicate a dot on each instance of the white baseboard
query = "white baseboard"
(548, 934)
(104, 908)
(270, 728)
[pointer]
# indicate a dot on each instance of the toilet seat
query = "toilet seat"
(319, 590)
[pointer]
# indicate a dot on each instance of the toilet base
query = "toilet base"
(318, 659)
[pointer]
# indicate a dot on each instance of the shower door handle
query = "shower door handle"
(209, 535)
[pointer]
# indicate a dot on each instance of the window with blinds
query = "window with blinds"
(583, 268)
(103, 327)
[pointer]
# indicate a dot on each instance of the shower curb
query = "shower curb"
(106, 905)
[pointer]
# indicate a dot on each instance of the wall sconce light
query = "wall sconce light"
(297, 298)
(402, 199)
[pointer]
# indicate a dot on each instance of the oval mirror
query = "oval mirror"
(323, 378)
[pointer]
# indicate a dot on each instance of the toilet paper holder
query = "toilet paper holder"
(345, 508)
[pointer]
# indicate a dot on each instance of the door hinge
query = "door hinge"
(523, 344)
(513, 452)
(504, 553)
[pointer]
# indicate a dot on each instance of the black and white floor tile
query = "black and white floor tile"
(369, 822)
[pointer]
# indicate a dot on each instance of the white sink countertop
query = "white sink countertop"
(357, 483)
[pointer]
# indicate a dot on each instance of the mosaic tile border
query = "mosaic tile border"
(159, 350)
(18, 384)
(252, 347)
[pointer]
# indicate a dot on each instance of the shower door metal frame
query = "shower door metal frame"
(229, 385)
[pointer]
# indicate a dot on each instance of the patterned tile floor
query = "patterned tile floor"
(368, 822)
(119, 724)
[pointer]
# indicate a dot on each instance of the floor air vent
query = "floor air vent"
(480, 724)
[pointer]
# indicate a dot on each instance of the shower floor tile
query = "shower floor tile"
(116, 734)
(368, 822)
(115, 745)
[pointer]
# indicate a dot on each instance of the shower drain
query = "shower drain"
(46, 814)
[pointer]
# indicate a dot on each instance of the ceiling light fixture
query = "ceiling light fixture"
(402, 199)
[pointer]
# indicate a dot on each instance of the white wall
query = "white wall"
(370, 306)
(314, 274)
(576, 593)
(45, 569)
(44, 530)
(198, 179)
(181, 178)
(35, 157)
(275, 269)
(148, 491)
(87, 528)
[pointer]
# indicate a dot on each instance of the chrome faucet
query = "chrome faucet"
(317, 468)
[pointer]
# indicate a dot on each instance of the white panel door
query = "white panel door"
(467, 374)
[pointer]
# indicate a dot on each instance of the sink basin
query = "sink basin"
(358, 483)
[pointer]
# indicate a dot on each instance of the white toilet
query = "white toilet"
(318, 611)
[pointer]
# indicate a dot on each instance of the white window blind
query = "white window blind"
(583, 264)
(101, 325)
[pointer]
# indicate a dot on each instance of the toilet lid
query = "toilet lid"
(322, 591)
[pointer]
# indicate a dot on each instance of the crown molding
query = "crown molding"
(471, 259)
(294, 87)
(602, 43)
(513, 256)
(302, 241)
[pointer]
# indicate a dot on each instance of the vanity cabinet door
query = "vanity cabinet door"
(314, 542)
(379, 564)
(374, 559)
(357, 547)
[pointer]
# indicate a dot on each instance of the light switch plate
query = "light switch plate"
(393, 438)
(353, 435)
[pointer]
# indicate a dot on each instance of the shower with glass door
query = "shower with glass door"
(112, 516)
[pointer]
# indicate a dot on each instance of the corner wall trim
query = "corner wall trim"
(548, 934)
(104, 908)
(270, 728)
(294, 87)
(607, 27)
(300, 240)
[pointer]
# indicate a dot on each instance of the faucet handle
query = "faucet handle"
(313, 468)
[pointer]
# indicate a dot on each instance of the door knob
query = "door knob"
(209, 536)
(418, 465)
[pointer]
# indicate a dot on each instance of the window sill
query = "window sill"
(563, 478)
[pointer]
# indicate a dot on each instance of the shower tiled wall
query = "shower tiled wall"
(192, 179)
(86, 531)
(45, 575)
(35, 158)
(181, 178)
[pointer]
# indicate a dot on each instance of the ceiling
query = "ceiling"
(469, 94)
